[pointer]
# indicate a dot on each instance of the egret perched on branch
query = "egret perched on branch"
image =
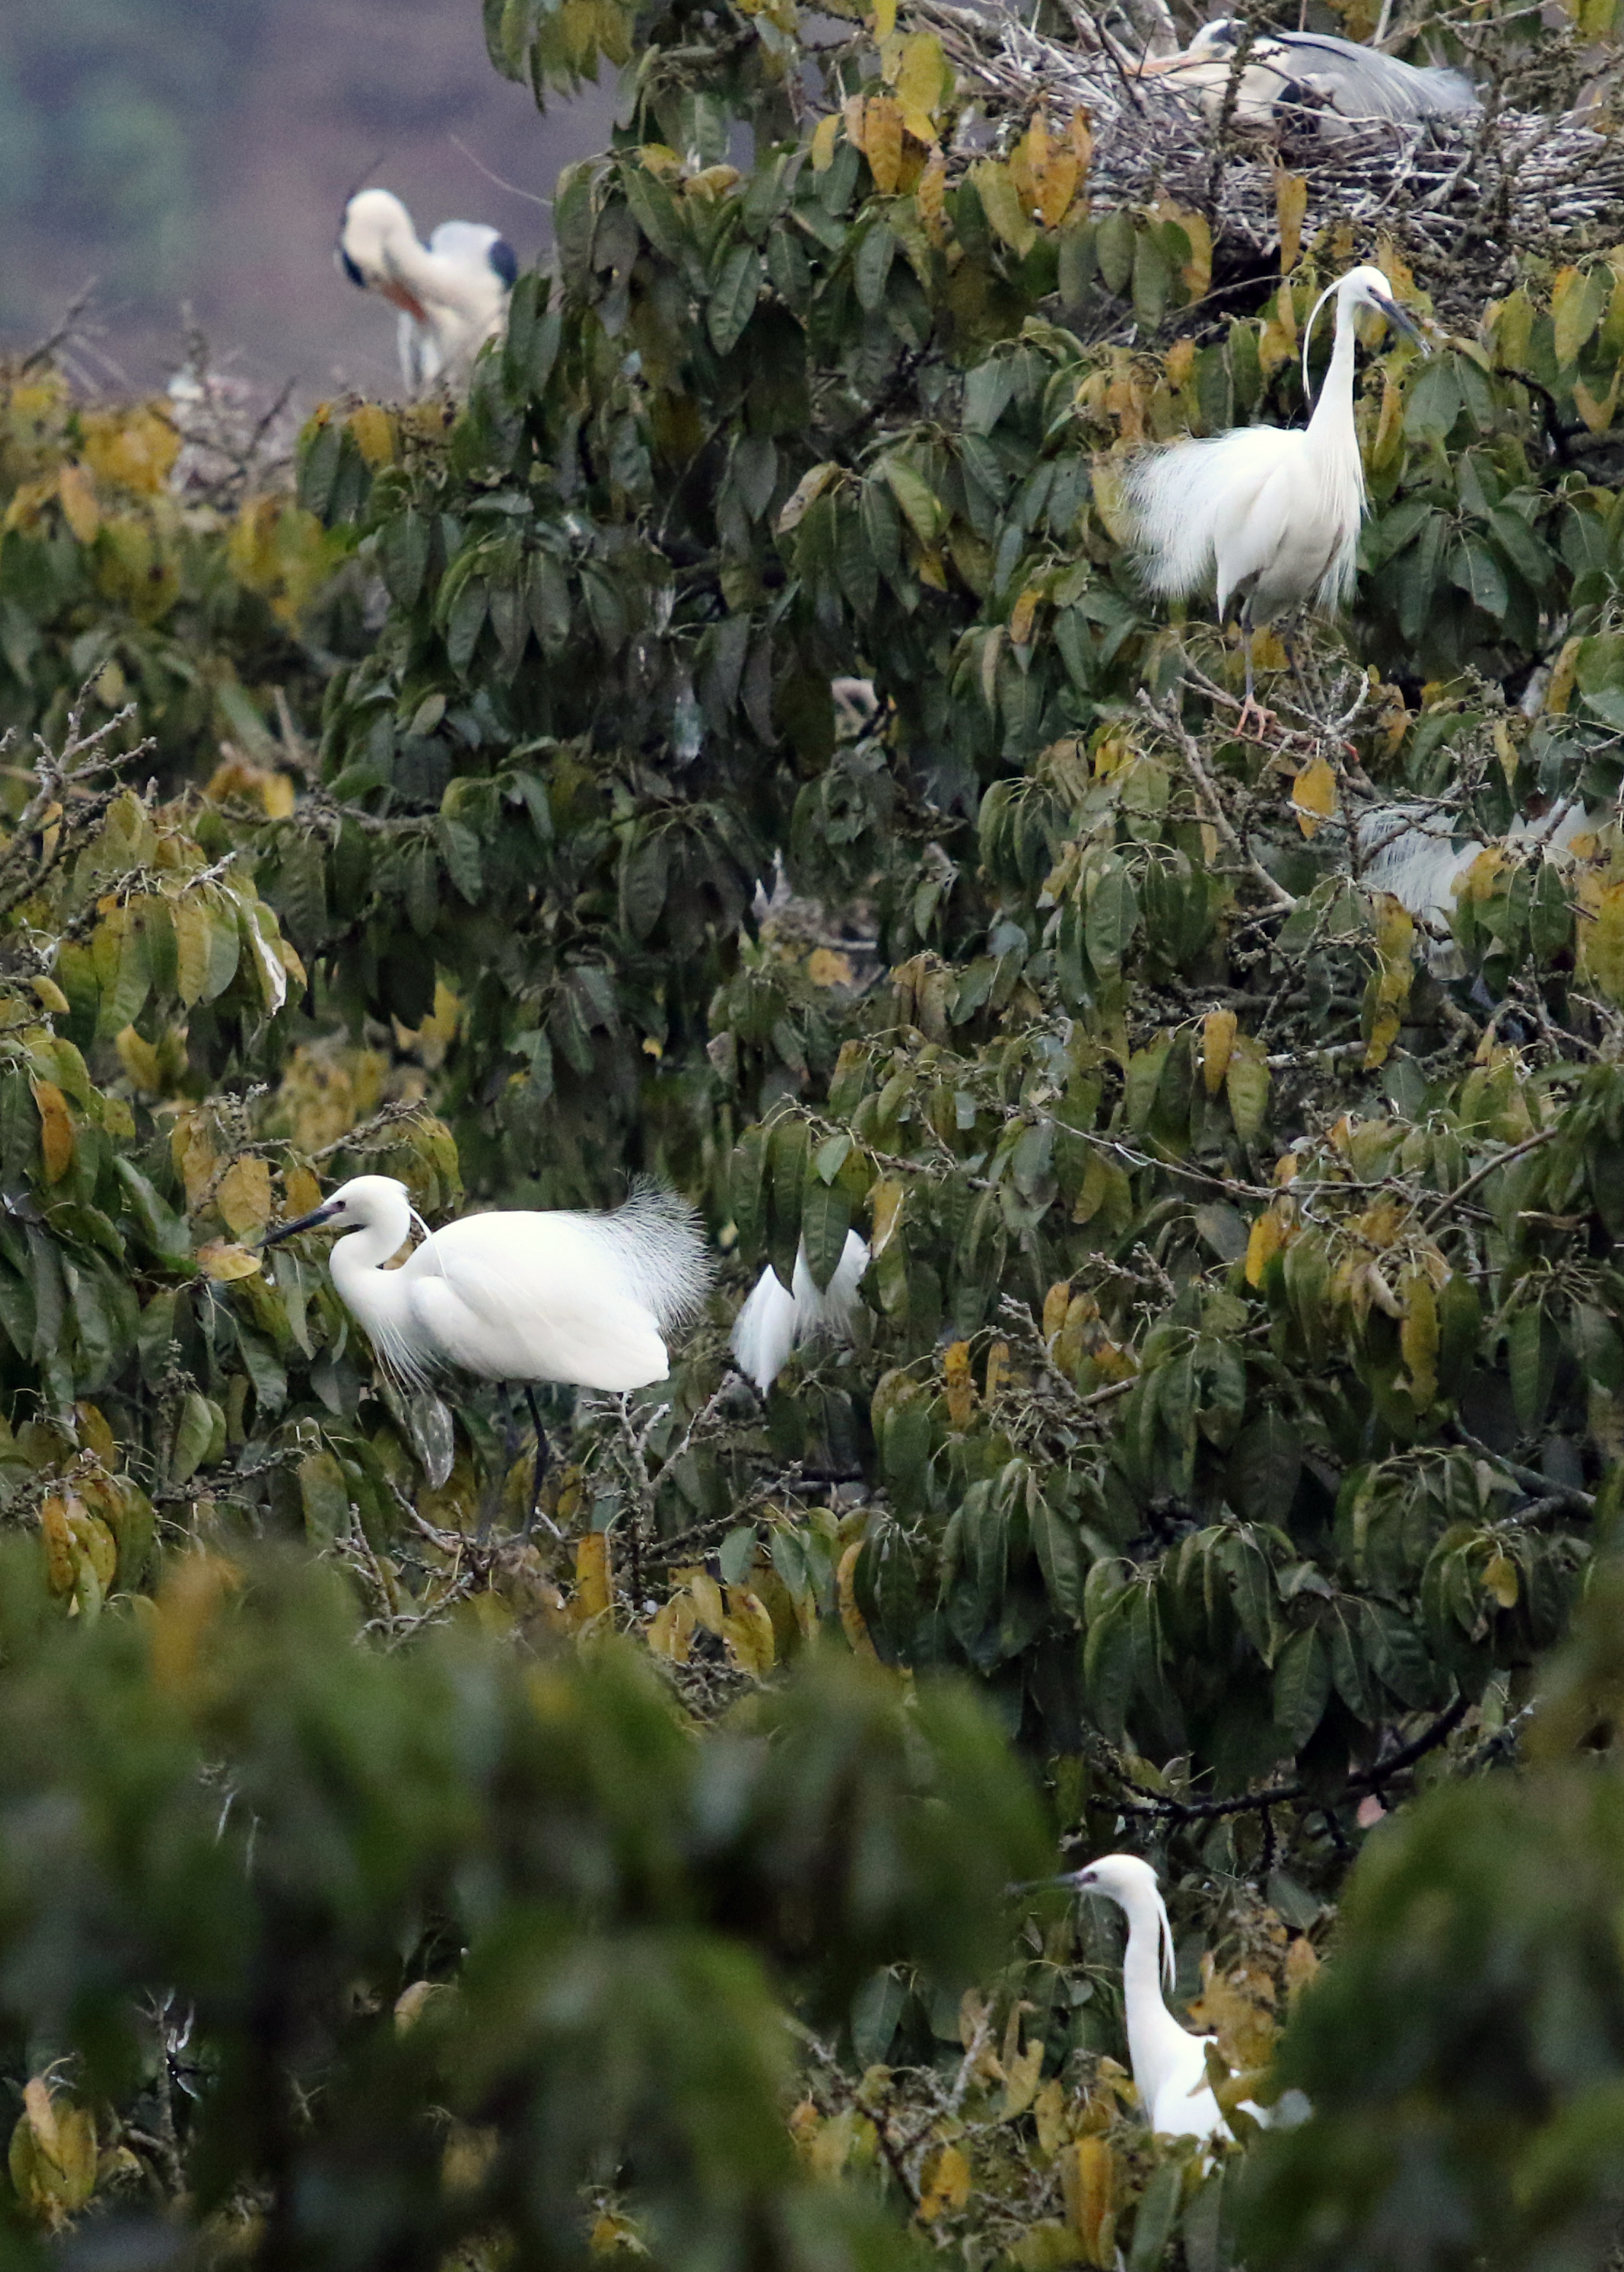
(1269, 514)
(777, 1319)
(1169, 2063)
(1419, 855)
(451, 292)
(518, 1297)
(1282, 68)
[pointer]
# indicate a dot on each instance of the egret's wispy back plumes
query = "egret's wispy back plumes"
(1420, 856)
(1268, 515)
(518, 1297)
(775, 1320)
(451, 292)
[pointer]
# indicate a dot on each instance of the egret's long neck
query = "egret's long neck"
(357, 1265)
(1332, 422)
(1152, 2030)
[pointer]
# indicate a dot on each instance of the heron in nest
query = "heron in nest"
(1283, 71)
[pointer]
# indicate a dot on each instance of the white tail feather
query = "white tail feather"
(775, 1321)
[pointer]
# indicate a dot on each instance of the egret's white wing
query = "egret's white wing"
(559, 1295)
(1179, 496)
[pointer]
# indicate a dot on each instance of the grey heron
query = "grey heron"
(451, 292)
(1286, 67)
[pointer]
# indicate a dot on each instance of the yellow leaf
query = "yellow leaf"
(1291, 205)
(826, 967)
(1020, 2080)
(882, 143)
(1597, 410)
(220, 1259)
(593, 1576)
(931, 197)
(747, 1629)
(194, 932)
(60, 1560)
(51, 996)
(1090, 2177)
(374, 432)
(670, 1629)
(811, 486)
(56, 1139)
(960, 1386)
(1057, 1304)
(301, 1193)
(1388, 439)
(946, 2183)
(76, 493)
(1217, 1041)
(885, 19)
(998, 1365)
(1263, 1243)
(1571, 319)
(1023, 614)
(708, 1606)
(853, 1623)
(921, 80)
(1000, 201)
(139, 1060)
(1247, 1081)
(133, 449)
(1080, 135)
(189, 1599)
(243, 1196)
(1302, 1963)
(1314, 793)
(1049, 2115)
(1417, 1335)
(823, 142)
(1500, 1579)
(887, 1207)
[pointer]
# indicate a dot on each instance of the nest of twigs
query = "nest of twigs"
(1463, 199)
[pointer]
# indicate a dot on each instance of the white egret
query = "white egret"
(1169, 2063)
(777, 1319)
(1419, 855)
(1269, 514)
(517, 1297)
(1282, 68)
(451, 292)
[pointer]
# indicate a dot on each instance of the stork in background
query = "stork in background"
(451, 292)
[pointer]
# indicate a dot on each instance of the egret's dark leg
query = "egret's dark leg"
(510, 1453)
(543, 1455)
(1254, 723)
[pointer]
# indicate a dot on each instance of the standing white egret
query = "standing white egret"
(451, 292)
(1169, 2063)
(777, 1319)
(1269, 514)
(517, 1297)
(1283, 67)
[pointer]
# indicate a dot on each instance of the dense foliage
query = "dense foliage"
(1237, 1397)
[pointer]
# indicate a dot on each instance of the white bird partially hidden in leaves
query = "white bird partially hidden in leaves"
(1269, 514)
(1420, 857)
(517, 1297)
(451, 292)
(1285, 69)
(1169, 2063)
(777, 1318)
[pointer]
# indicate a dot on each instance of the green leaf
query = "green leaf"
(733, 298)
(912, 492)
(826, 1218)
(1302, 1687)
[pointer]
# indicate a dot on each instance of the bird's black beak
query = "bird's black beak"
(1073, 1879)
(1400, 321)
(342, 260)
(311, 1221)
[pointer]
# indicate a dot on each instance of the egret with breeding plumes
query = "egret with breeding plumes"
(1169, 2063)
(1269, 514)
(1420, 857)
(517, 1297)
(451, 292)
(1283, 69)
(777, 1318)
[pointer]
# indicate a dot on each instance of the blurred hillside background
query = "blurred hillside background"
(201, 151)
